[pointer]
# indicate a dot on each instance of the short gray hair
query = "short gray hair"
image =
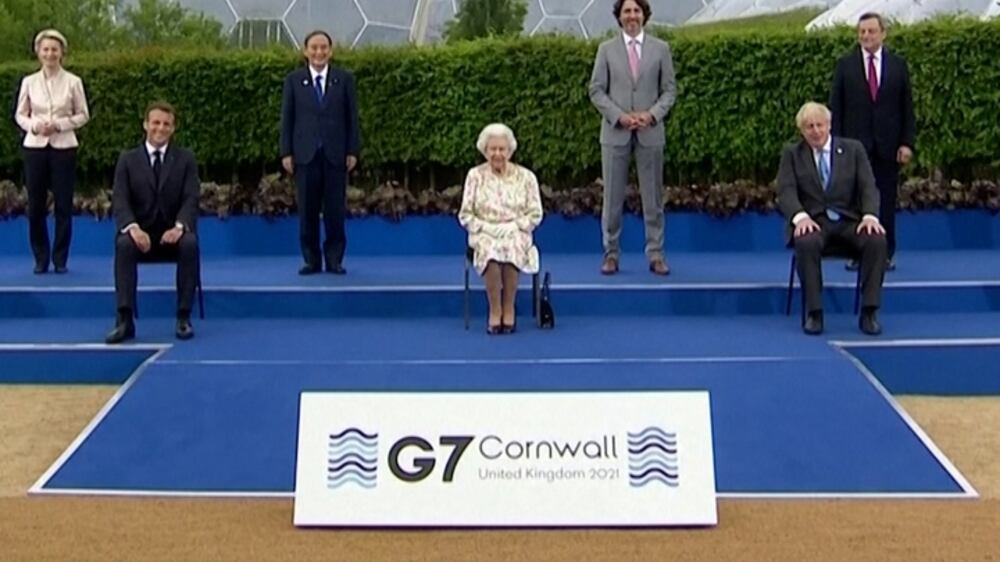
(809, 109)
(496, 130)
(51, 34)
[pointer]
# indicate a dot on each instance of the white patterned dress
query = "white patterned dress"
(500, 213)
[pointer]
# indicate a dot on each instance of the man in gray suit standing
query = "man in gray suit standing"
(633, 88)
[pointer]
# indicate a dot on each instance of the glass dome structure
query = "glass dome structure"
(363, 22)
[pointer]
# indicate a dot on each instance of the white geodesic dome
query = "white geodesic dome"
(903, 11)
(350, 22)
(362, 22)
(718, 10)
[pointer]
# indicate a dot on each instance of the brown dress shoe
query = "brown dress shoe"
(610, 266)
(659, 267)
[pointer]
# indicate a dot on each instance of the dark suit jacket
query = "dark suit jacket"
(887, 123)
(852, 190)
(137, 198)
(305, 123)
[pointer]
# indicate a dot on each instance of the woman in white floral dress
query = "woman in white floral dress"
(501, 206)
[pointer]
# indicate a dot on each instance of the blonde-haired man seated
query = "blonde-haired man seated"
(827, 191)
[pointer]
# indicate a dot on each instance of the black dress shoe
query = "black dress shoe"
(890, 264)
(852, 265)
(60, 269)
(41, 268)
(869, 322)
(813, 324)
(185, 330)
(509, 329)
(494, 330)
(336, 269)
(309, 269)
(123, 330)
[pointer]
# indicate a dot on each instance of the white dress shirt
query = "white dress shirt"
(824, 153)
(878, 64)
(151, 152)
(638, 42)
(57, 99)
(324, 72)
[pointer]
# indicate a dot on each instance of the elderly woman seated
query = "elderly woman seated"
(501, 206)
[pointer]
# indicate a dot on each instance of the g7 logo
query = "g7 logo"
(423, 466)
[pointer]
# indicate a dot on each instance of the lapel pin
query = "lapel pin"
(840, 150)
(305, 82)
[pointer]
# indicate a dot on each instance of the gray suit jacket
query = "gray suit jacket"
(852, 191)
(613, 91)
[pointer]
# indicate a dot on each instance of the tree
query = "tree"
(87, 24)
(104, 25)
(487, 18)
(168, 24)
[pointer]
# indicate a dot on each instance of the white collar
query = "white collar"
(827, 147)
(877, 54)
(150, 149)
(638, 38)
(322, 72)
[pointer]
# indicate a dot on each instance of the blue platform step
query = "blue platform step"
(706, 283)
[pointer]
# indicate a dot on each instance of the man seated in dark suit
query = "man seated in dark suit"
(827, 191)
(155, 205)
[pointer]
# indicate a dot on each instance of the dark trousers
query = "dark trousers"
(50, 169)
(840, 237)
(128, 256)
(320, 185)
(887, 180)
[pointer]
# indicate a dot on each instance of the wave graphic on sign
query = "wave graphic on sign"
(352, 458)
(652, 457)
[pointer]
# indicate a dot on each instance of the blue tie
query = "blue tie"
(824, 178)
(319, 88)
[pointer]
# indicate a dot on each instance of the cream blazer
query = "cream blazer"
(60, 100)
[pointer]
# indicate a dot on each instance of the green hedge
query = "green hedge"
(419, 106)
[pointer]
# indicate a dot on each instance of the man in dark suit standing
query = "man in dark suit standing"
(320, 140)
(155, 205)
(827, 192)
(872, 101)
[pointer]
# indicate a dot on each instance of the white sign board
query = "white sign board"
(505, 459)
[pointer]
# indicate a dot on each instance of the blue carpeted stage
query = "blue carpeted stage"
(792, 415)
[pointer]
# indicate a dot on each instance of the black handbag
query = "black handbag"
(546, 316)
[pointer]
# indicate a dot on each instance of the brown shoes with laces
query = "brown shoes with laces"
(659, 266)
(610, 266)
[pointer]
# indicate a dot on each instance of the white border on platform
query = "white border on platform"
(158, 350)
(916, 342)
(542, 361)
(80, 346)
(944, 461)
(663, 286)
(38, 488)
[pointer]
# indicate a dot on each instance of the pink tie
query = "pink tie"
(633, 58)
(872, 78)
